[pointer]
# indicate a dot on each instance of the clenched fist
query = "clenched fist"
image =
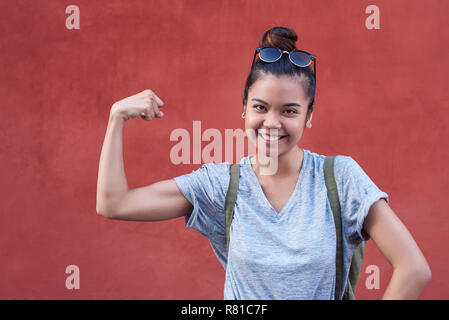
(145, 104)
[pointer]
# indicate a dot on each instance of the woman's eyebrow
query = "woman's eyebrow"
(289, 104)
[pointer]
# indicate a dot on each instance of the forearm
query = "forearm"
(111, 183)
(406, 284)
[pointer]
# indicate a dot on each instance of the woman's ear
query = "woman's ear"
(309, 120)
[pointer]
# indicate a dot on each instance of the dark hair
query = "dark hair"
(283, 38)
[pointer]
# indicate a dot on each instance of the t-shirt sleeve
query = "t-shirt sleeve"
(357, 194)
(205, 188)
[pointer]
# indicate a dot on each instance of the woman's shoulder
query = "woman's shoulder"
(345, 167)
(340, 161)
(216, 170)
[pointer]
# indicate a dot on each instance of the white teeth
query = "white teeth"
(270, 138)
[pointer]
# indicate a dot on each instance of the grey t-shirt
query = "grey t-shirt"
(286, 255)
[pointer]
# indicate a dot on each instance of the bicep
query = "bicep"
(159, 201)
(391, 236)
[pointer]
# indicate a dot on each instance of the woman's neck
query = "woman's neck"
(288, 164)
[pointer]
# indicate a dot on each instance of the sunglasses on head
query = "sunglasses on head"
(299, 58)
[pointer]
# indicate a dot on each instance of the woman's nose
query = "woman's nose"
(272, 121)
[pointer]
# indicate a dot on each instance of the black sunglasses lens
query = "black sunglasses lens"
(300, 58)
(269, 54)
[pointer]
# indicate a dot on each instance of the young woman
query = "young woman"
(282, 235)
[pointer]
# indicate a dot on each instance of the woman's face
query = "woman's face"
(276, 107)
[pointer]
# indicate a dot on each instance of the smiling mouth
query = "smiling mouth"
(271, 138)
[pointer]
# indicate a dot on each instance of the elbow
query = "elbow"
(104, 213)
(106, 207)
(107, 215)
(424, 275)
(420, 274)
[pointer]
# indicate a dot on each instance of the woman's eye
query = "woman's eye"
(255, 107)
(261, 108)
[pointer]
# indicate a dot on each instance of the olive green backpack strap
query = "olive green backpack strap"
(356, 262)
(231, 197)
(332, 194)
(354, 270)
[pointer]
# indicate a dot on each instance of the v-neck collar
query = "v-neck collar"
(293, 196)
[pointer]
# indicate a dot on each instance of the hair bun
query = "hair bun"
(282, 37)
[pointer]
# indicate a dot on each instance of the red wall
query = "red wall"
(382, 98)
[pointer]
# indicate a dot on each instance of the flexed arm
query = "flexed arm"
(158, 201)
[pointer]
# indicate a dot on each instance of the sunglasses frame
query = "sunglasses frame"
(312, 57)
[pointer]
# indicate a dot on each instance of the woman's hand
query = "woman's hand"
(145, 104)
(411, 271)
